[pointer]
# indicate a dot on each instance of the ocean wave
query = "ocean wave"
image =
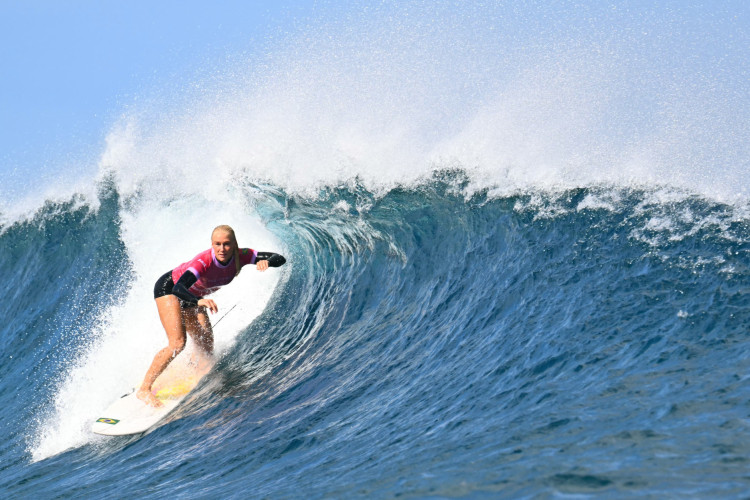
(514, 269)
(407, 326)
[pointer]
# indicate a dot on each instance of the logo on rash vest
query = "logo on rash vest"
(110, 421)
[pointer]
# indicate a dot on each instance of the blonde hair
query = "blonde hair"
(230, 232)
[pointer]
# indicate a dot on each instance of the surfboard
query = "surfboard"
(129, 415)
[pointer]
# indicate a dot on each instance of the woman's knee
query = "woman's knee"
(176, 346)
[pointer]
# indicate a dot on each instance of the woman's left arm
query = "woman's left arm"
(269, 259)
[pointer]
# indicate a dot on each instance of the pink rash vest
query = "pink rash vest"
(211, 273)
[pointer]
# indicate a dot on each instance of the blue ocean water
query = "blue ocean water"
(421, 343)
(518, 245)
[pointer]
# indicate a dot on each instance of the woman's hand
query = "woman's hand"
(208, 304)
(262, 265)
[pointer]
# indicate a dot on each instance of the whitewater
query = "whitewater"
(517, 267)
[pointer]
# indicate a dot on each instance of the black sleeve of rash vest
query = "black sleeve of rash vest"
(182, 286)
(274, 259)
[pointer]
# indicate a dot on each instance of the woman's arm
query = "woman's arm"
(181, 290)
(182, 287)
(274, 259)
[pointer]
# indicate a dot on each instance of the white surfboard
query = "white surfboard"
(130, 415)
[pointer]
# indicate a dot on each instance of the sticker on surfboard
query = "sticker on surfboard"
(104, 420)
(129, 415)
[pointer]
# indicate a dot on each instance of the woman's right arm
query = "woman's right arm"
(182, 287)
(182, 290)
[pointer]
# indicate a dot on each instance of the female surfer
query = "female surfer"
(180, 297)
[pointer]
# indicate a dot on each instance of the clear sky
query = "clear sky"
(69, 68)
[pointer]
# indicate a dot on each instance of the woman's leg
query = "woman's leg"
(170, 315)
(198, 326)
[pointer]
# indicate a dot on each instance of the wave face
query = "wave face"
(518, 254)
(421, 342)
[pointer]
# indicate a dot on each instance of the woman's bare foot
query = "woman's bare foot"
(148, 398)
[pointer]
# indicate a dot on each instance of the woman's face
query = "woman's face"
(223, 246)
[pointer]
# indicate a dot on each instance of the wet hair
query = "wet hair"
(230, 232)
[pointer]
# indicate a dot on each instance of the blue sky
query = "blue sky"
(69, 68)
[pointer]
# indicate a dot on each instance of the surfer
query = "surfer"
(180, 296)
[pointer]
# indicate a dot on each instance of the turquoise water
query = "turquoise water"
(421, 344)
